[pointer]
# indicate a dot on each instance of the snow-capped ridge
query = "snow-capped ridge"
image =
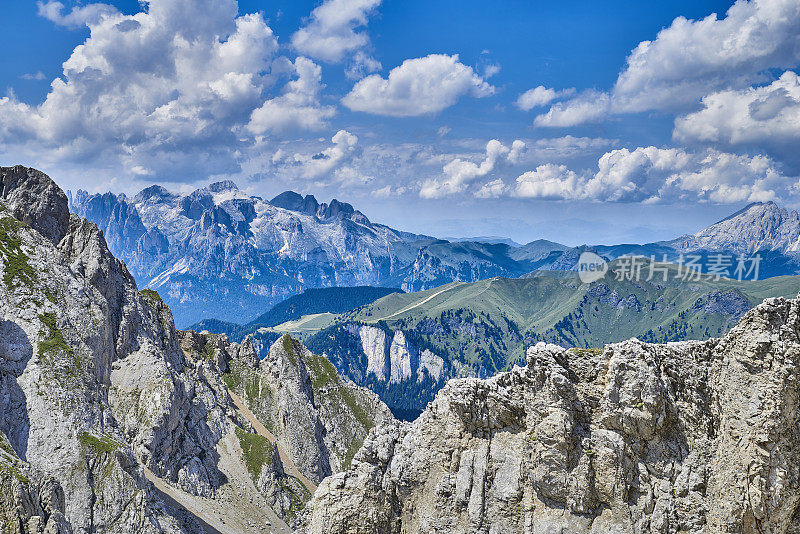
(223, 186)
(244, 254)
(153, 192)
(308, 205)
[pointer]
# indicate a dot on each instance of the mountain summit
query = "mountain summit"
(759, 226)
(223, 186)
(308, 205)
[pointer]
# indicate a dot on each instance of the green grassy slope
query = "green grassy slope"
(321, 300)
(326, 300)
(488, 324)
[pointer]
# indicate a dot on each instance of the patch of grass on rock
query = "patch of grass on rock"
(322, 371)
(151, 294)
(99, 445)
(256, 449)
(17, 270)
(54, 339)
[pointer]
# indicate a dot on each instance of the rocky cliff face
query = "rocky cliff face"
(70, 316)
(392, 358)
(636, 438)
(106, 409)
(403, 373)
(317, 417)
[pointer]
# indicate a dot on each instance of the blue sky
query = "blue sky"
(581, 122)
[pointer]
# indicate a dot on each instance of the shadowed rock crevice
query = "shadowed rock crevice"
(15, 353)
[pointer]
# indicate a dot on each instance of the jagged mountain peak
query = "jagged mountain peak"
(223, 186)
(35, 199)
(336, 209)
(308, 204)
(107, 198)
(219, 192)
(758, 226)
(754, 209)
(154, 193)
(293, 201)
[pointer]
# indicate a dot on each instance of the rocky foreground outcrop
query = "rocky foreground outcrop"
(700, 437)
(111, 420)
(72, 324)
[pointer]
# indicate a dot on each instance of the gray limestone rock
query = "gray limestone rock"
(697, 437)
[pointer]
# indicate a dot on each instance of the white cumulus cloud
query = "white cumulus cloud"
(361, 65)
(549, 181)
(298, 107)
(317, 164)
(692, 58)
(177, 89)
(331, 35)
(78, 16)
(589, 106)
(540, 96)
(389, 191)
(460, 173)
(419, 86)
(38, 76)
(651, 174)
(495, 188)
(765, 118)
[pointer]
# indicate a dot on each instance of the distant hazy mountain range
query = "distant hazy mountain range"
(493, 239)
(221, 253)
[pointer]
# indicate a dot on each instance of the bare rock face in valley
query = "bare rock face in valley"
(319, 418)
(697, 437)
(302, 421)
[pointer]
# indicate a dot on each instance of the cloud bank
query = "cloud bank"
(651, 174)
